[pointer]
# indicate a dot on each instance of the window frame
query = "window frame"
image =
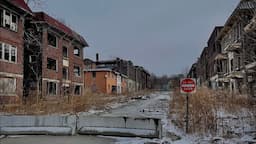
(80, 90)
(56, 40)
(79, 71)
(79, 51)
(56, 64)
(8, 20)
(48, 88)
(65, 57)
(63, 76)
(14, 86)
(10, 48)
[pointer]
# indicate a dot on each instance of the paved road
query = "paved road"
(156, 106)
(57, 140)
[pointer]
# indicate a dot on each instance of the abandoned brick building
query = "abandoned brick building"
(229, 60)
(12, 18)
(54, 62)
(136, 77)
(39, 56)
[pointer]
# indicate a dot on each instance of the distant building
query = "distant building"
(105, 80)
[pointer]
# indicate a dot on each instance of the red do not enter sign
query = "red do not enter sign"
(188, 85)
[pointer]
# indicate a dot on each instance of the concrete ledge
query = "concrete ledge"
(117, 132)
(120, 126)
(36, 130)
(47, 124)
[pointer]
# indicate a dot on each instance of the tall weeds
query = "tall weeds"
(203, 108)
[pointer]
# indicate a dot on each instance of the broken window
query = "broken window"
(65, 52)
(52, 40)
(77, 51)
(77, 90)
(65, 73)
(66, 90)
(51, 88)
(14, 23)
(51, 64)
(7, 85)
(77, 71)
(8, 52)
(9, 20)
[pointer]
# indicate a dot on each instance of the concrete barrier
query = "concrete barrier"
(119, 126)
(47, 124)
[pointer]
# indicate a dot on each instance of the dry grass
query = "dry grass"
(203, 107)
(71, 104)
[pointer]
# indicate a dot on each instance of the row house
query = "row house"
(53, 59)
(13, 14)
(229, 60)
(105, 80)
(235, 44)
(202, 68)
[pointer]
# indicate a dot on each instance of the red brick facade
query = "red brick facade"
(13, 70)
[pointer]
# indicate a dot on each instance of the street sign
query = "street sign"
(187, 85)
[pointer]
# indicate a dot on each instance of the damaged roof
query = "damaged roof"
(41, 16)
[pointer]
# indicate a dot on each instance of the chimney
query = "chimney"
(97, 57)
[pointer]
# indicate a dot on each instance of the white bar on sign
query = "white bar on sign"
(188, 85)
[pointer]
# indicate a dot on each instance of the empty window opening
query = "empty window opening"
(66, 90)
(94, 74)
(52, 40)
(51, 64)
(51, 88)
(65, 73)
(65, 52)
(77, 90)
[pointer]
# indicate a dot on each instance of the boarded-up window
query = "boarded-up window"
(7, 85)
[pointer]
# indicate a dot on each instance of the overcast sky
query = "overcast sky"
(163, 36)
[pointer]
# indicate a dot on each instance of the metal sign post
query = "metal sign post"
(187, 86)
(187, 118)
